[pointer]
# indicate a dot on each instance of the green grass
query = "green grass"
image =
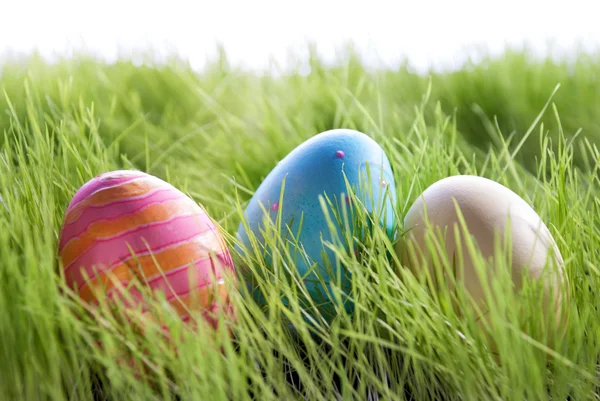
(216, 136)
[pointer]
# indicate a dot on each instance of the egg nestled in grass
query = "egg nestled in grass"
(126, 227)
(493, 216)
(341, 166)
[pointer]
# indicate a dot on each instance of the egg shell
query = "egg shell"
(124, 225)
(487, 207)
(319, 166)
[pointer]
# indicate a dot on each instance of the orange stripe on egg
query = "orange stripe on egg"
(153, 265)
(120, 192)
(105, 229)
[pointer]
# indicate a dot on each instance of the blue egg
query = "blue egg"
(325, 165)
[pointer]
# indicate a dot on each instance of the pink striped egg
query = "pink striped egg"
(126, 227)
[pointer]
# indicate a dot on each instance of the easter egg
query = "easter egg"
(124, 227)
(492, 215)
(333, 164)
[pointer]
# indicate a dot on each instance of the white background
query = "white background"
(429, 33)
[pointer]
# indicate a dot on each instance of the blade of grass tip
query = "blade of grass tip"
(11, 108)
(528, 132)
(415, 178)
(427, 95)
(380, 121)
(491, 129)
(364, 111)
(131, 128)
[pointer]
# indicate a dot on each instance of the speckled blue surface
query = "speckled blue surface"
(317, 167)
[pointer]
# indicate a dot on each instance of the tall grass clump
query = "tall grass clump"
(216, 135)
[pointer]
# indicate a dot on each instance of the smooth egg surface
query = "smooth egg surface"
(320, 167)
(487, 207)
(126, 225)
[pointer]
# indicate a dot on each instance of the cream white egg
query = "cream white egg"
(492, 215)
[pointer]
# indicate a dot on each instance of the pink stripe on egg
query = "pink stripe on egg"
(81, 282)
(177, 283)
(98, 183)
(109, 250)
(117, 293)
(114, 211)
(121, 200)
(183, 293)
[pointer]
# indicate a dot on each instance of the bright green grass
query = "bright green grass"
(216, 136)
